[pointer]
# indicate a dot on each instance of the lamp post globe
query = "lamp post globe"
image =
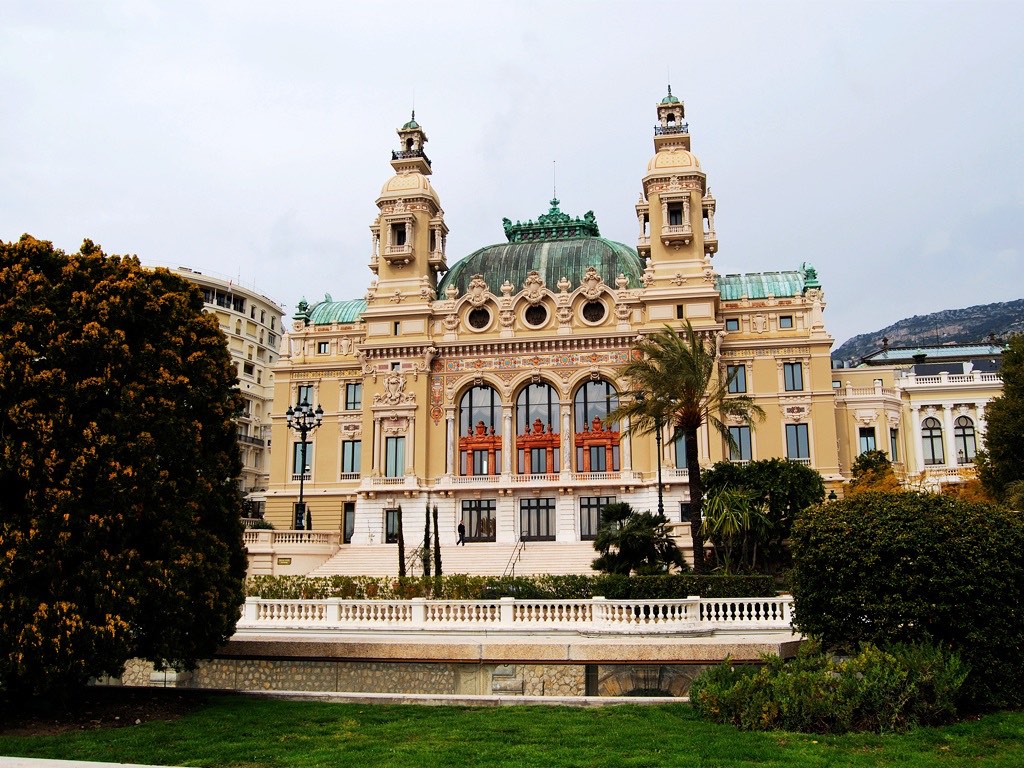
(303, 419)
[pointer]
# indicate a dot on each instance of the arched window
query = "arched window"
(537, 432)
(596, 441)
(480, 432)
(931, 439)
(963, 438)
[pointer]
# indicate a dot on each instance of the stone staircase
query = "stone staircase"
(484, 559)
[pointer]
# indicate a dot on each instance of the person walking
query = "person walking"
(462, 533)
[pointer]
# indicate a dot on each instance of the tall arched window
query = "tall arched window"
(931, 439)
(963, 438)
(480, 432)
(596, 441)
(537, 433)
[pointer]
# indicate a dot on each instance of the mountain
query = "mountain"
(950, 326)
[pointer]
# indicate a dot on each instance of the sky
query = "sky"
(878, 141)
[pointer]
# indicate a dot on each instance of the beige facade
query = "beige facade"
(928, 417)
(253, 325)
(481, 387)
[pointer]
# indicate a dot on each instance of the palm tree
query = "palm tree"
(673, 380)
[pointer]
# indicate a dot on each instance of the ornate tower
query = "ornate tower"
(409, 233)
(676, 213)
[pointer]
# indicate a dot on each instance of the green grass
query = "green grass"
(239, 731)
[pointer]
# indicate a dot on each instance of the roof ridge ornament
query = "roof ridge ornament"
(553, 225)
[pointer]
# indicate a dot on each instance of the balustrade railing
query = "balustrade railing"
(692, 614)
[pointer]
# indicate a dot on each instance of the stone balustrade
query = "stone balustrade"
(596, 615)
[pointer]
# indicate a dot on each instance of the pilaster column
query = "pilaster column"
(916, 440)
(410, 448)
(687, 227)
(449, 419)
(626, 446)
(375, 447)
(948, 440)
(566, 437)
(506, 440)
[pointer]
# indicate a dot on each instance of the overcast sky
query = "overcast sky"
(880, 142)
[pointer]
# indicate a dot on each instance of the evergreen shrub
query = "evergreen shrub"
(875, 690)
(884, 568)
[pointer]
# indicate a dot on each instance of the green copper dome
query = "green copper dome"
(670, 99)
(556, 246)
(327, 311)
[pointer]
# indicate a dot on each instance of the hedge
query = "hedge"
(885, 568)
(462, 587)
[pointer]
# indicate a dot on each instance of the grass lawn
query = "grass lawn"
(238, 731)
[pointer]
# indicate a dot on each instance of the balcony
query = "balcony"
(410, 154)
(676, 234)
(398, 254)
(668, 130)
(247, 440)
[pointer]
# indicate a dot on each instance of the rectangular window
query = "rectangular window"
(785, 321)
(590, 515)
(598, 458)
(322, 347)
(793, 373)
(741, 450)
(797, 446)
(480, 464)
(248, 369)
(398, 234)
(390, 526)
(737, 376)
(273, 324)
(353, 396)
(684, 511)
(680, 452)
(679, 312)
(732, 324)
(350, 522)
(894, 441)
(394, 457)
(675, 215)
(297, 459)
(867, 439)
(305, 394)
(478, 517)
(537, 519)
(351, 451)
(397, 331)
(238, 304)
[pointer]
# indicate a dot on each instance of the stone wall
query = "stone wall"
(419, 677)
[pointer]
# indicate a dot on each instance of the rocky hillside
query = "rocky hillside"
(957, 326)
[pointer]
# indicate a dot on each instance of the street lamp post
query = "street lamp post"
(639, 396)
(304, 420)
(657, 441)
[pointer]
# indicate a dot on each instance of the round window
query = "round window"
(594, 311)
(479, 318)
(535, 315)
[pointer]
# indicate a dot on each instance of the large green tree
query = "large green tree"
(1001, 466)
(120, 530)
(673, 380)
(780, 488)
